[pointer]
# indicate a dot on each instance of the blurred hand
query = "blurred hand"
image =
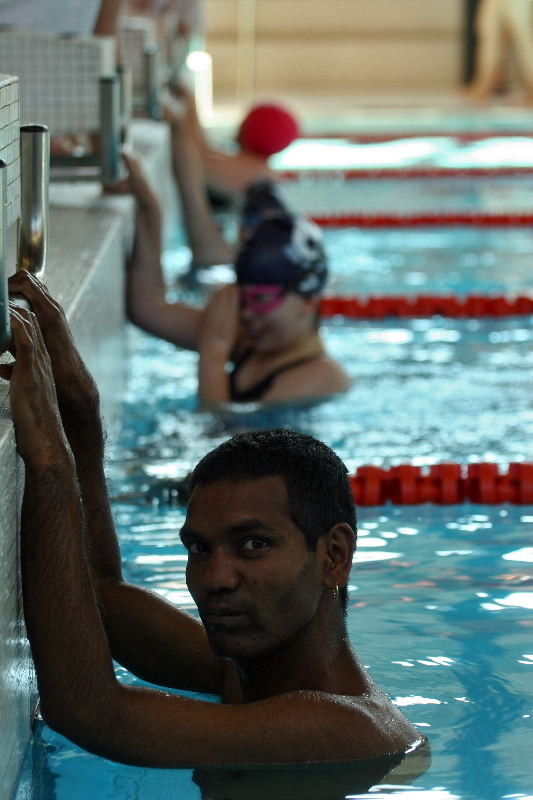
(39, 433)
(173, 108)
(77, 393)
(221, 320)
(135, 182)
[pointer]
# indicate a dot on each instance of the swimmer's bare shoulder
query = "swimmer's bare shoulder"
(331, 727)
(318, 378)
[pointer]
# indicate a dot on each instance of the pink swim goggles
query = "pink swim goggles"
(262, 298)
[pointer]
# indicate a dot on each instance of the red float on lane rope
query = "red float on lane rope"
(424, 220)
(405, 173)
(444, 484)
(425, 306)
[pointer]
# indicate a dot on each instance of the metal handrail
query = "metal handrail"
(5, 327)
(152, 68)
(34, 181)
(110, 125)
(126, 100)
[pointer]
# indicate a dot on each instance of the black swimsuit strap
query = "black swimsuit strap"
(260, 388)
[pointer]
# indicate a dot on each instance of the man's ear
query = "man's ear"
(339, 543)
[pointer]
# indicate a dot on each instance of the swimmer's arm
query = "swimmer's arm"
(207, 244)
(60, 611)
(146, 634)
(149, 728)
(184, 118)
(154, 639)
(216, 343)
(146, 302)
(107, 19)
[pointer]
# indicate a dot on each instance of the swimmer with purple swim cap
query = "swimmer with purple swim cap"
(280, 252)
(258, 339)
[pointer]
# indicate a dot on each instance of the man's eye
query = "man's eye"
(254, 543)
(195, 548)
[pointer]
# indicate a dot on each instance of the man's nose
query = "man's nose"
(220, 572)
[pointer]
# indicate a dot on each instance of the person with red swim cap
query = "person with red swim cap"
(267, 128)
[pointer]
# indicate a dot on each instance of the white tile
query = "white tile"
(59, 78)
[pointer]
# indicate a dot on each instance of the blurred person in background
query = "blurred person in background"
(258, 339)
(502, 26)
(267, 128)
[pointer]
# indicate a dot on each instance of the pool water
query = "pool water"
(440, 600)
(440, 610)
(411, 261)
(448, 152)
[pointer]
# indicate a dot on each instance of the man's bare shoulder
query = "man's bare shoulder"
(330, 726)
(349, 726)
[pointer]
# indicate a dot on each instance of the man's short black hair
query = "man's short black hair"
(317, 482)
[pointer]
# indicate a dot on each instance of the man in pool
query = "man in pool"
(270, 533)
(264, 327)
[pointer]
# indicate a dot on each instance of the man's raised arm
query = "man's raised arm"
(148, 635)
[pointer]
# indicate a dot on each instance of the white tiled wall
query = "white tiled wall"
(59, 78)
(9, 142)
(17, 685)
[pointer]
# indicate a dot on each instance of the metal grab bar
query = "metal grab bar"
(126, 100)
(5, 327)
(152, 73)
(110, 125)
(34, 180)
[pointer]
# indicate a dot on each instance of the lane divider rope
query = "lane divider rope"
(405, 173)
(393, 136)
(443, 484)
(424, 219)
(425, 306)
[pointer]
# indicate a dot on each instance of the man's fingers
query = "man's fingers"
(37, 333)
(26, 331)
(22, 328)
(30, 287)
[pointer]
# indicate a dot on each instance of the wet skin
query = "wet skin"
(288, 324)
(255, 582)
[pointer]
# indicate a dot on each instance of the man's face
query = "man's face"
(255, 582)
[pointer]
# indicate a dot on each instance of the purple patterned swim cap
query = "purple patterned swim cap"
(285, 250)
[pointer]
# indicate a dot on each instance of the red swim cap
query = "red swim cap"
(266, 129)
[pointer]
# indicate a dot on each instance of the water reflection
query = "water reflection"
(313, 782)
